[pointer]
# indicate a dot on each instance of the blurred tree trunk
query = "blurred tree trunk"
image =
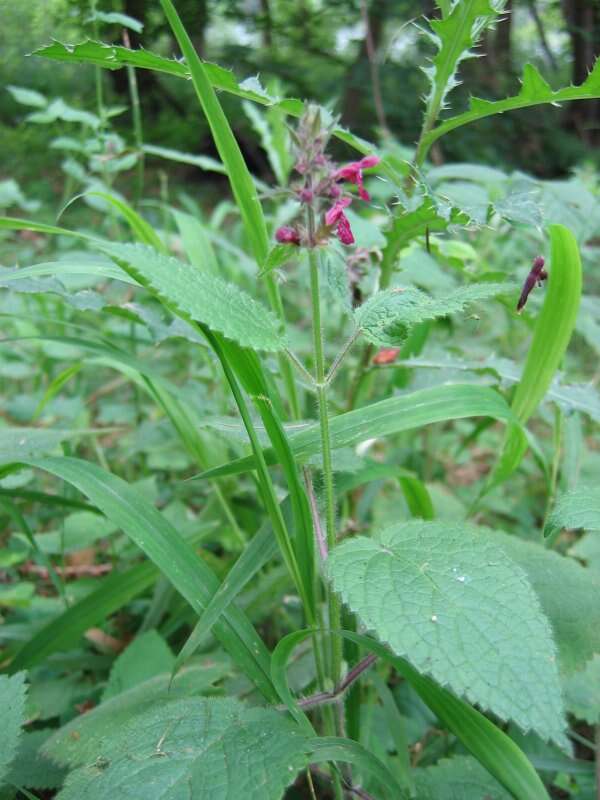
(267, 23)
(502, 40)
(582, 19)
(358, 81)
(535, 14)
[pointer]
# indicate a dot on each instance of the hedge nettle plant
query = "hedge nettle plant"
(459, 613)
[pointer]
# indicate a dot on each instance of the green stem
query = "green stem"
(98, 72)
(330, 533)
(137, 124)
(341, 356)
(557, 447)
(285, 367)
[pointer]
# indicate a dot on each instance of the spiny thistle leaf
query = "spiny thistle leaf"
(454, 36)
(534, 91)
(422, 212)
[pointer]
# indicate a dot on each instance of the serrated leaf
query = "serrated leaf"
(568, 593)
(458, 778)
(387, 317)
(582, 692)
(148, 655)
(522, 206)
(450, 601)
(210, 748)
(534, 91)
(85, 300)
(30, 768)
(82, 739)
(579, 508)
(278, 256)
(499, 754)
(200, 297)
(12, 703)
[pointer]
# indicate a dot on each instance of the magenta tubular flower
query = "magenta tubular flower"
(353, 173)
(335, 216)
(287, 235)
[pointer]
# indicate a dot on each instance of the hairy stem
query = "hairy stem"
(333, 601)
(328, 697)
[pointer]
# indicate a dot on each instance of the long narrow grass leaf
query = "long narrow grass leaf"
(175, 557)
(394, 415)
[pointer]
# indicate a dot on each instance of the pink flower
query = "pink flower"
(336, 216)
(353, 173)
(287, 235)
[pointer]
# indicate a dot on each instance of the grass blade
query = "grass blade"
(175, 557)
(248, 368)
(142, 230)
(551, 337)
(245, 362)
(259, 551)
(242, 185)
(394, 415)
(16, 224)
(65, 630)
(554, 325)
(241, 181)
(331, 748)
